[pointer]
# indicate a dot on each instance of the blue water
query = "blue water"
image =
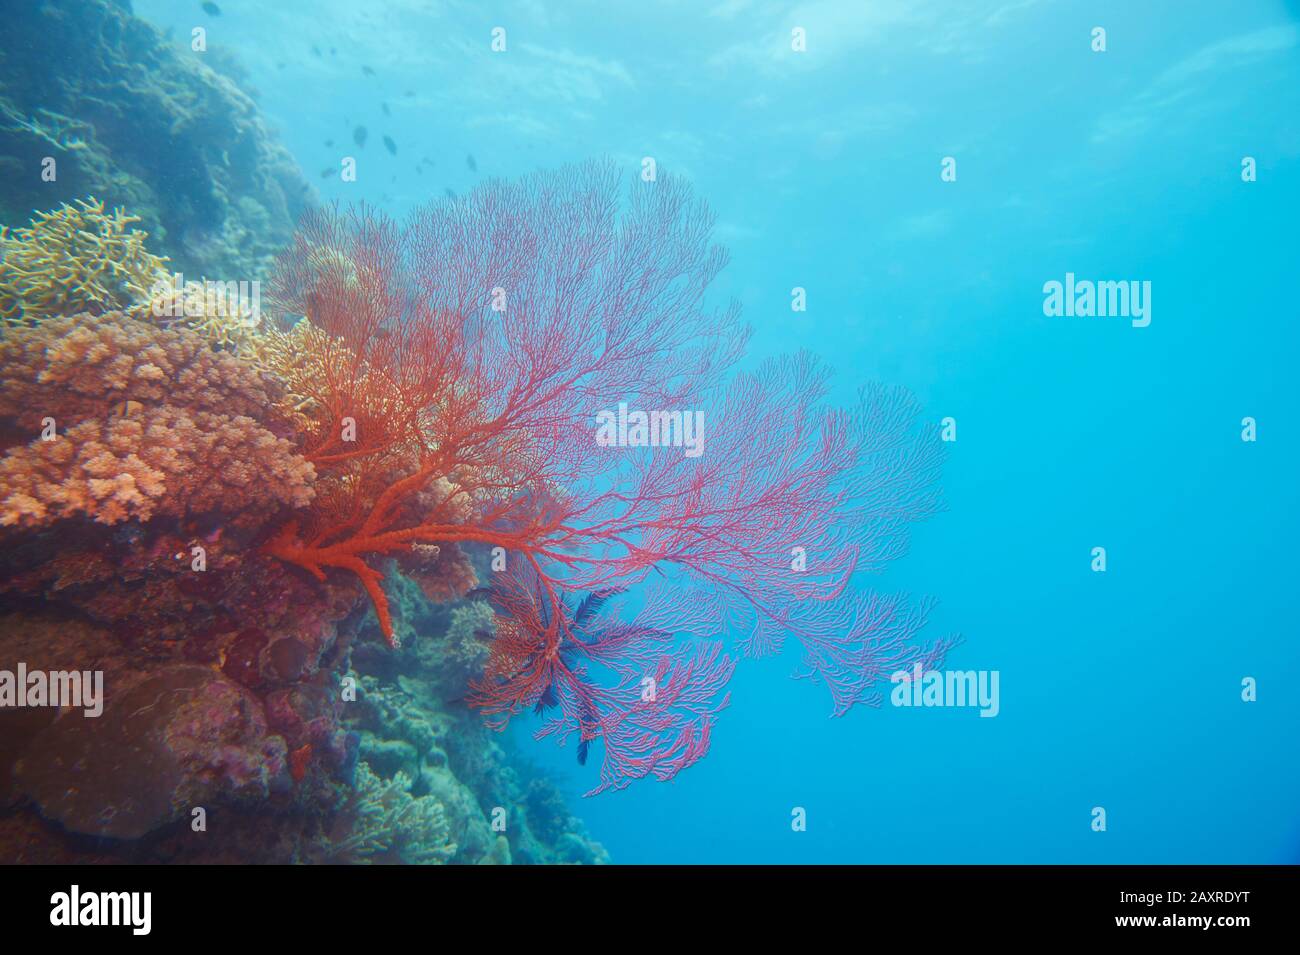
(1118, 689)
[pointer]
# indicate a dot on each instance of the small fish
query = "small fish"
(367, 70)
(469, 161)
(359, 136)
(211, 9)
(390, 145)
(387, 111)
(315, 51)
(329, 144)
(127, 408)
(326, 173)
(450, 194)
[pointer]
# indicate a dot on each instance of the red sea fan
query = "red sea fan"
(475, 348)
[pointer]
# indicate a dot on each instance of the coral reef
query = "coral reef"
(163, 461)
(350, 533)
(142, 122)
(85, 366)
(228, 323)
(414, 727)
(389, 824)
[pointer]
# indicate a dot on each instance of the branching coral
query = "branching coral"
(80, 260)
(391, 825)
(162, 461)
(310, 364)
(75, 259)
(214, 310)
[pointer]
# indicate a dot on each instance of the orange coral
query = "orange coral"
(191, 446)
(82, 366)
(165, 461)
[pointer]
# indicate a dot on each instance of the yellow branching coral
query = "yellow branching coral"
(86, 365)
(163, 461)
(301, 358)
(310, 363)
(75, 259)
(389, 824)
(215, 310)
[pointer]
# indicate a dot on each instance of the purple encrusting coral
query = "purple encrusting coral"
(179, 738)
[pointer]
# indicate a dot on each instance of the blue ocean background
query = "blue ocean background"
(1120, 690)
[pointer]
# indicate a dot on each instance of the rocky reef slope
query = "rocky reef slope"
(114, 109)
